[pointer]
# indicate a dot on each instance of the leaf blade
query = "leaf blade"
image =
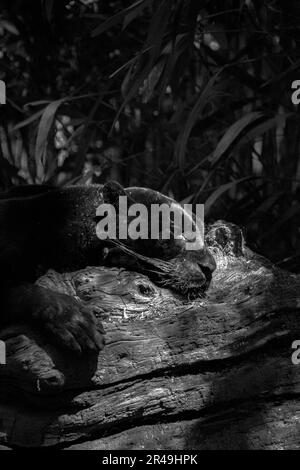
(232, 133)
(45, 125)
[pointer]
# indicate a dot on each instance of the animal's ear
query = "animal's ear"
(112, 191)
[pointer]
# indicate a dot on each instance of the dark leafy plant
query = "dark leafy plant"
(190, 97)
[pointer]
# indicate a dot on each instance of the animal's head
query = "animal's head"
(155, 244)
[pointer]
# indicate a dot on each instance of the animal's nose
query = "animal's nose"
(206, 260)
(207, 264)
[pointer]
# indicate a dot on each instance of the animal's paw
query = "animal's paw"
(69, 323)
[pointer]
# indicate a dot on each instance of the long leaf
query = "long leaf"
(117, 18)
(232, 133)
(192, 119)
(152, 80)
(28, 120)
(44, 129)
(134, 13)
(263, 127)
(156, 30)
(221, 190)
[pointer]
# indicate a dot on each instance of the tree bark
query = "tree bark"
(212, 373)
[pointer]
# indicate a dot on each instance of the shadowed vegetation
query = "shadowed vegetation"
(189, 97)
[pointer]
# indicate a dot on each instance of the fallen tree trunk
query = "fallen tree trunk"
(174, 374)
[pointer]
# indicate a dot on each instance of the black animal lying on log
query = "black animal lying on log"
(209, 372)
(57, 228)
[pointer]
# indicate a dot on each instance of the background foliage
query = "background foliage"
(190, 97)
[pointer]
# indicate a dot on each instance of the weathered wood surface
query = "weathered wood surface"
(212, 373)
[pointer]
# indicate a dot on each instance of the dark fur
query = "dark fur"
(42, 228)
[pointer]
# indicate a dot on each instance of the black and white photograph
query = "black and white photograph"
(149, 228)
